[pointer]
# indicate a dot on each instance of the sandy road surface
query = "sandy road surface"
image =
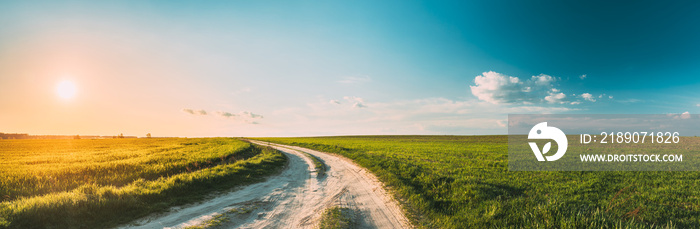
(293, 199)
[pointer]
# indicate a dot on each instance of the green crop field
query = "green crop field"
(464, 182)
(102, 183)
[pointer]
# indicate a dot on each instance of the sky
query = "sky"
(309, 68)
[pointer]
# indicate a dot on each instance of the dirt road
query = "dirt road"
(293, 199)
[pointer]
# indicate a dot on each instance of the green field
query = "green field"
(102, 183)
(464, 182)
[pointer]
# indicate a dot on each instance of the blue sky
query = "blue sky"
(296, 68)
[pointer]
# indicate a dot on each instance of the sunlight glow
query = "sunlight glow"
(66, 89)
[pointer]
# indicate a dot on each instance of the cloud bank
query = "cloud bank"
(244, 116)
(496, 88)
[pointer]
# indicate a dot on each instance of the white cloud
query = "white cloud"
(685, 115)
(588, 96)
(496, 88)
(604, 96)
(554, 97)
(576, 103)
(355, 80)
(356, 102)
(583, 76)
(544, 80)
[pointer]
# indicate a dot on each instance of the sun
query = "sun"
(66, 89)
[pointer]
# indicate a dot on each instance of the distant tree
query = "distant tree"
(121, 135)
(148, 135)
(76, 136)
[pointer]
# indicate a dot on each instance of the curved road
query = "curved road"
(293, 199)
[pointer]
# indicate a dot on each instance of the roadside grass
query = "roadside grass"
(215, 221)
(320, 167)
(100, 205)
(337, 218)
(219, 219)
(242, 210)
(464, 182)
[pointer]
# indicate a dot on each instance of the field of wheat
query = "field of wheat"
(105, 182)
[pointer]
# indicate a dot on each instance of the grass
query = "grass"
(38, 167)
(215, 221)
(218, 219)
(318, 164)
(464, 182)
(337, 218)
(103, 183)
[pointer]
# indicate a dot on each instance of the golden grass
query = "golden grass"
(98, 183)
